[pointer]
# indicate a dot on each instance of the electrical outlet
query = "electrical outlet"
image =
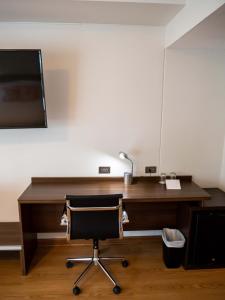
(151, 169)
(104, 170)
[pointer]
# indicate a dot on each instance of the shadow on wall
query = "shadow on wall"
(57, 95)
(58, 109)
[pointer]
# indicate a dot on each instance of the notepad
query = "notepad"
(173, 184)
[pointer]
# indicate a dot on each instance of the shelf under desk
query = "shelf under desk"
(10, 236)
(148, 203)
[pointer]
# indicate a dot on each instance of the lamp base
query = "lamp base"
(128, 178)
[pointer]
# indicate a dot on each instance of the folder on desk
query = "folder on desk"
(173, 184)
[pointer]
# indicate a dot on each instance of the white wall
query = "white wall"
(193, 114)
(103, 88)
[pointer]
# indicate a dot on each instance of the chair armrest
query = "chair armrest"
(125, 218)
(106, 208)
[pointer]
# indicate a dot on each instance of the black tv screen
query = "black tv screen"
(22, 100)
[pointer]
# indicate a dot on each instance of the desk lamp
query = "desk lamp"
(127, 176)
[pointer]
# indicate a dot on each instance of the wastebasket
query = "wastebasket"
(173, 247)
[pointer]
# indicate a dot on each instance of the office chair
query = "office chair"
(96, 217)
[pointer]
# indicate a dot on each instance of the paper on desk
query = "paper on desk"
(173, 184)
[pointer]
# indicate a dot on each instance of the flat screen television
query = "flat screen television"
(22, 99)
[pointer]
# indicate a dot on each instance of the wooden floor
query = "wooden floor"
(145, 278)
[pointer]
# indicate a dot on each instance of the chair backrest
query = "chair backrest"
(94, 216)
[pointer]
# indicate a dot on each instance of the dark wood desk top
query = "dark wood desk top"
(217, 198)
(144, 189)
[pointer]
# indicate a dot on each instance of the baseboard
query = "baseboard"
(130, 233)
(10, 236)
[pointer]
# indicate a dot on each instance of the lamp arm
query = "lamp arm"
(132, 166)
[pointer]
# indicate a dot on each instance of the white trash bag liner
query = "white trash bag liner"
(173, 238)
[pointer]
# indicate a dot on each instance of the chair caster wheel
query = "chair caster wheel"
(116, 289)
(69, 264)
(76, 290)
(125, 263)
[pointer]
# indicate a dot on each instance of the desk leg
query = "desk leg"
(28, 236)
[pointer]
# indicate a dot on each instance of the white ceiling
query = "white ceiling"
(131, 12)
(209, 34)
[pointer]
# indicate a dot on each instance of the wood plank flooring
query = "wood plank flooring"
(146, 277)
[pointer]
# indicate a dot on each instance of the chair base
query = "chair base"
(97, 261)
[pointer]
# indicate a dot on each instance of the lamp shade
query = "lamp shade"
(123, 155)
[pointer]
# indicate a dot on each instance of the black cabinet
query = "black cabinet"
(204, 229)
(207, 247)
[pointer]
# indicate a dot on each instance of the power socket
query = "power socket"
(151, 169)
(104, 170)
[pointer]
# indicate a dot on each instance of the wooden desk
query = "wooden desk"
(10, 236)
(149, 204)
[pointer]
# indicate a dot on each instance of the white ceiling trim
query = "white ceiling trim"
(145, 12)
